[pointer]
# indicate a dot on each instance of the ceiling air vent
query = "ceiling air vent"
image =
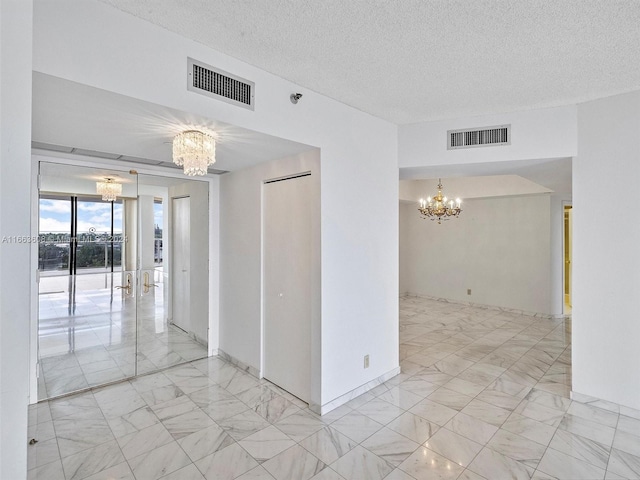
(484, 137)
(216, 83)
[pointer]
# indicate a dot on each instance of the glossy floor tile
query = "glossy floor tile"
(95, 335)
(483, 394)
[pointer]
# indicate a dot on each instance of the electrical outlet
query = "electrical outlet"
(468, 291)
(366, 361)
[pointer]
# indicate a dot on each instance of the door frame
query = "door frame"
(302, 359)
(315, 398)
(213, 181)
(566, 204)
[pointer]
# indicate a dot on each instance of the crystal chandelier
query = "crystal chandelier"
(109, 189)
(195, 151)
(439, 208)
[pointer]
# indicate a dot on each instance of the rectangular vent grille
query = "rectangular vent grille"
(216, 83)
(485, 137)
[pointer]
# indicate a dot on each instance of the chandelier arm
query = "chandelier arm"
(438, 208)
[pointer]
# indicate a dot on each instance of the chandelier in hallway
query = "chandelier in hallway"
(109, 189)
(195, 151)
(439, 208)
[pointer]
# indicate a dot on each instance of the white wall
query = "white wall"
(75, 40)
(606, 257)
(241, 260)
(147, 232)
(130, 233)
(15, 220)
(214, 265)
(535, 134)
(498, 247)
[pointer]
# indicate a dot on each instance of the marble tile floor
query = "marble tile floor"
(103, 340)
(483, 394)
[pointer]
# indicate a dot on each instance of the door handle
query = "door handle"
(146, 283)
(126, 287)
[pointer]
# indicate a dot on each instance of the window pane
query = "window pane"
(94, 235)
(158, 219)
(54, 230)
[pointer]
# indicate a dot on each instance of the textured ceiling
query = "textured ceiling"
(414, 60)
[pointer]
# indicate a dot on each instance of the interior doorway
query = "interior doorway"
(567, 256)
(105, 270)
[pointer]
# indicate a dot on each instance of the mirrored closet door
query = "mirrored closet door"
(123, 275)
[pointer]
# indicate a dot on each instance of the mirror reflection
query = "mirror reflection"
(122, 283)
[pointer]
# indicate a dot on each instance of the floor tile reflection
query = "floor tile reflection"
(98, 336)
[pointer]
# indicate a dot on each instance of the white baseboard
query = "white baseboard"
(241, 365)
(342, 399)
(489, 307)
(605, 404)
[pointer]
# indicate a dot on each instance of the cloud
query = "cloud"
(55, 216)
(158, 213)
(55, 206)
(117, 212)
(99, 227)
(94, 207)
(53, 225)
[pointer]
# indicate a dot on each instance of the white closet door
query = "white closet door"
(287, 284)
(181, 260)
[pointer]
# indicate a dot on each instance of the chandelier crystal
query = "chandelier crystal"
(439, 208)
(194, 151)
(109, 189)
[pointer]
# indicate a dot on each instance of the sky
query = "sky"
(55, 216)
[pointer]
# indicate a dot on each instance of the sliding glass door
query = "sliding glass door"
(106, 278)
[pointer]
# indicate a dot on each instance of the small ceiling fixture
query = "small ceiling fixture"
(109, 189)
(294, 97)
(195, 151)
(439, 208)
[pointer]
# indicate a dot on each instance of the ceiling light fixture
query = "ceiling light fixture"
(109, 189)
(439, 208)
(194, 151)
